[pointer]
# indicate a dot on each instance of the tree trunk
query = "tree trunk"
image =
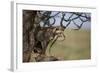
(28, 34)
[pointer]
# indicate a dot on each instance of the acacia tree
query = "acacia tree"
(33, 21)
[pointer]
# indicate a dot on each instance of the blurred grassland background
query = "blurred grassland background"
(76, 45)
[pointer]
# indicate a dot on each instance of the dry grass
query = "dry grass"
(76, 46)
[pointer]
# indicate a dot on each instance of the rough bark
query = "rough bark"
(28, 33)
